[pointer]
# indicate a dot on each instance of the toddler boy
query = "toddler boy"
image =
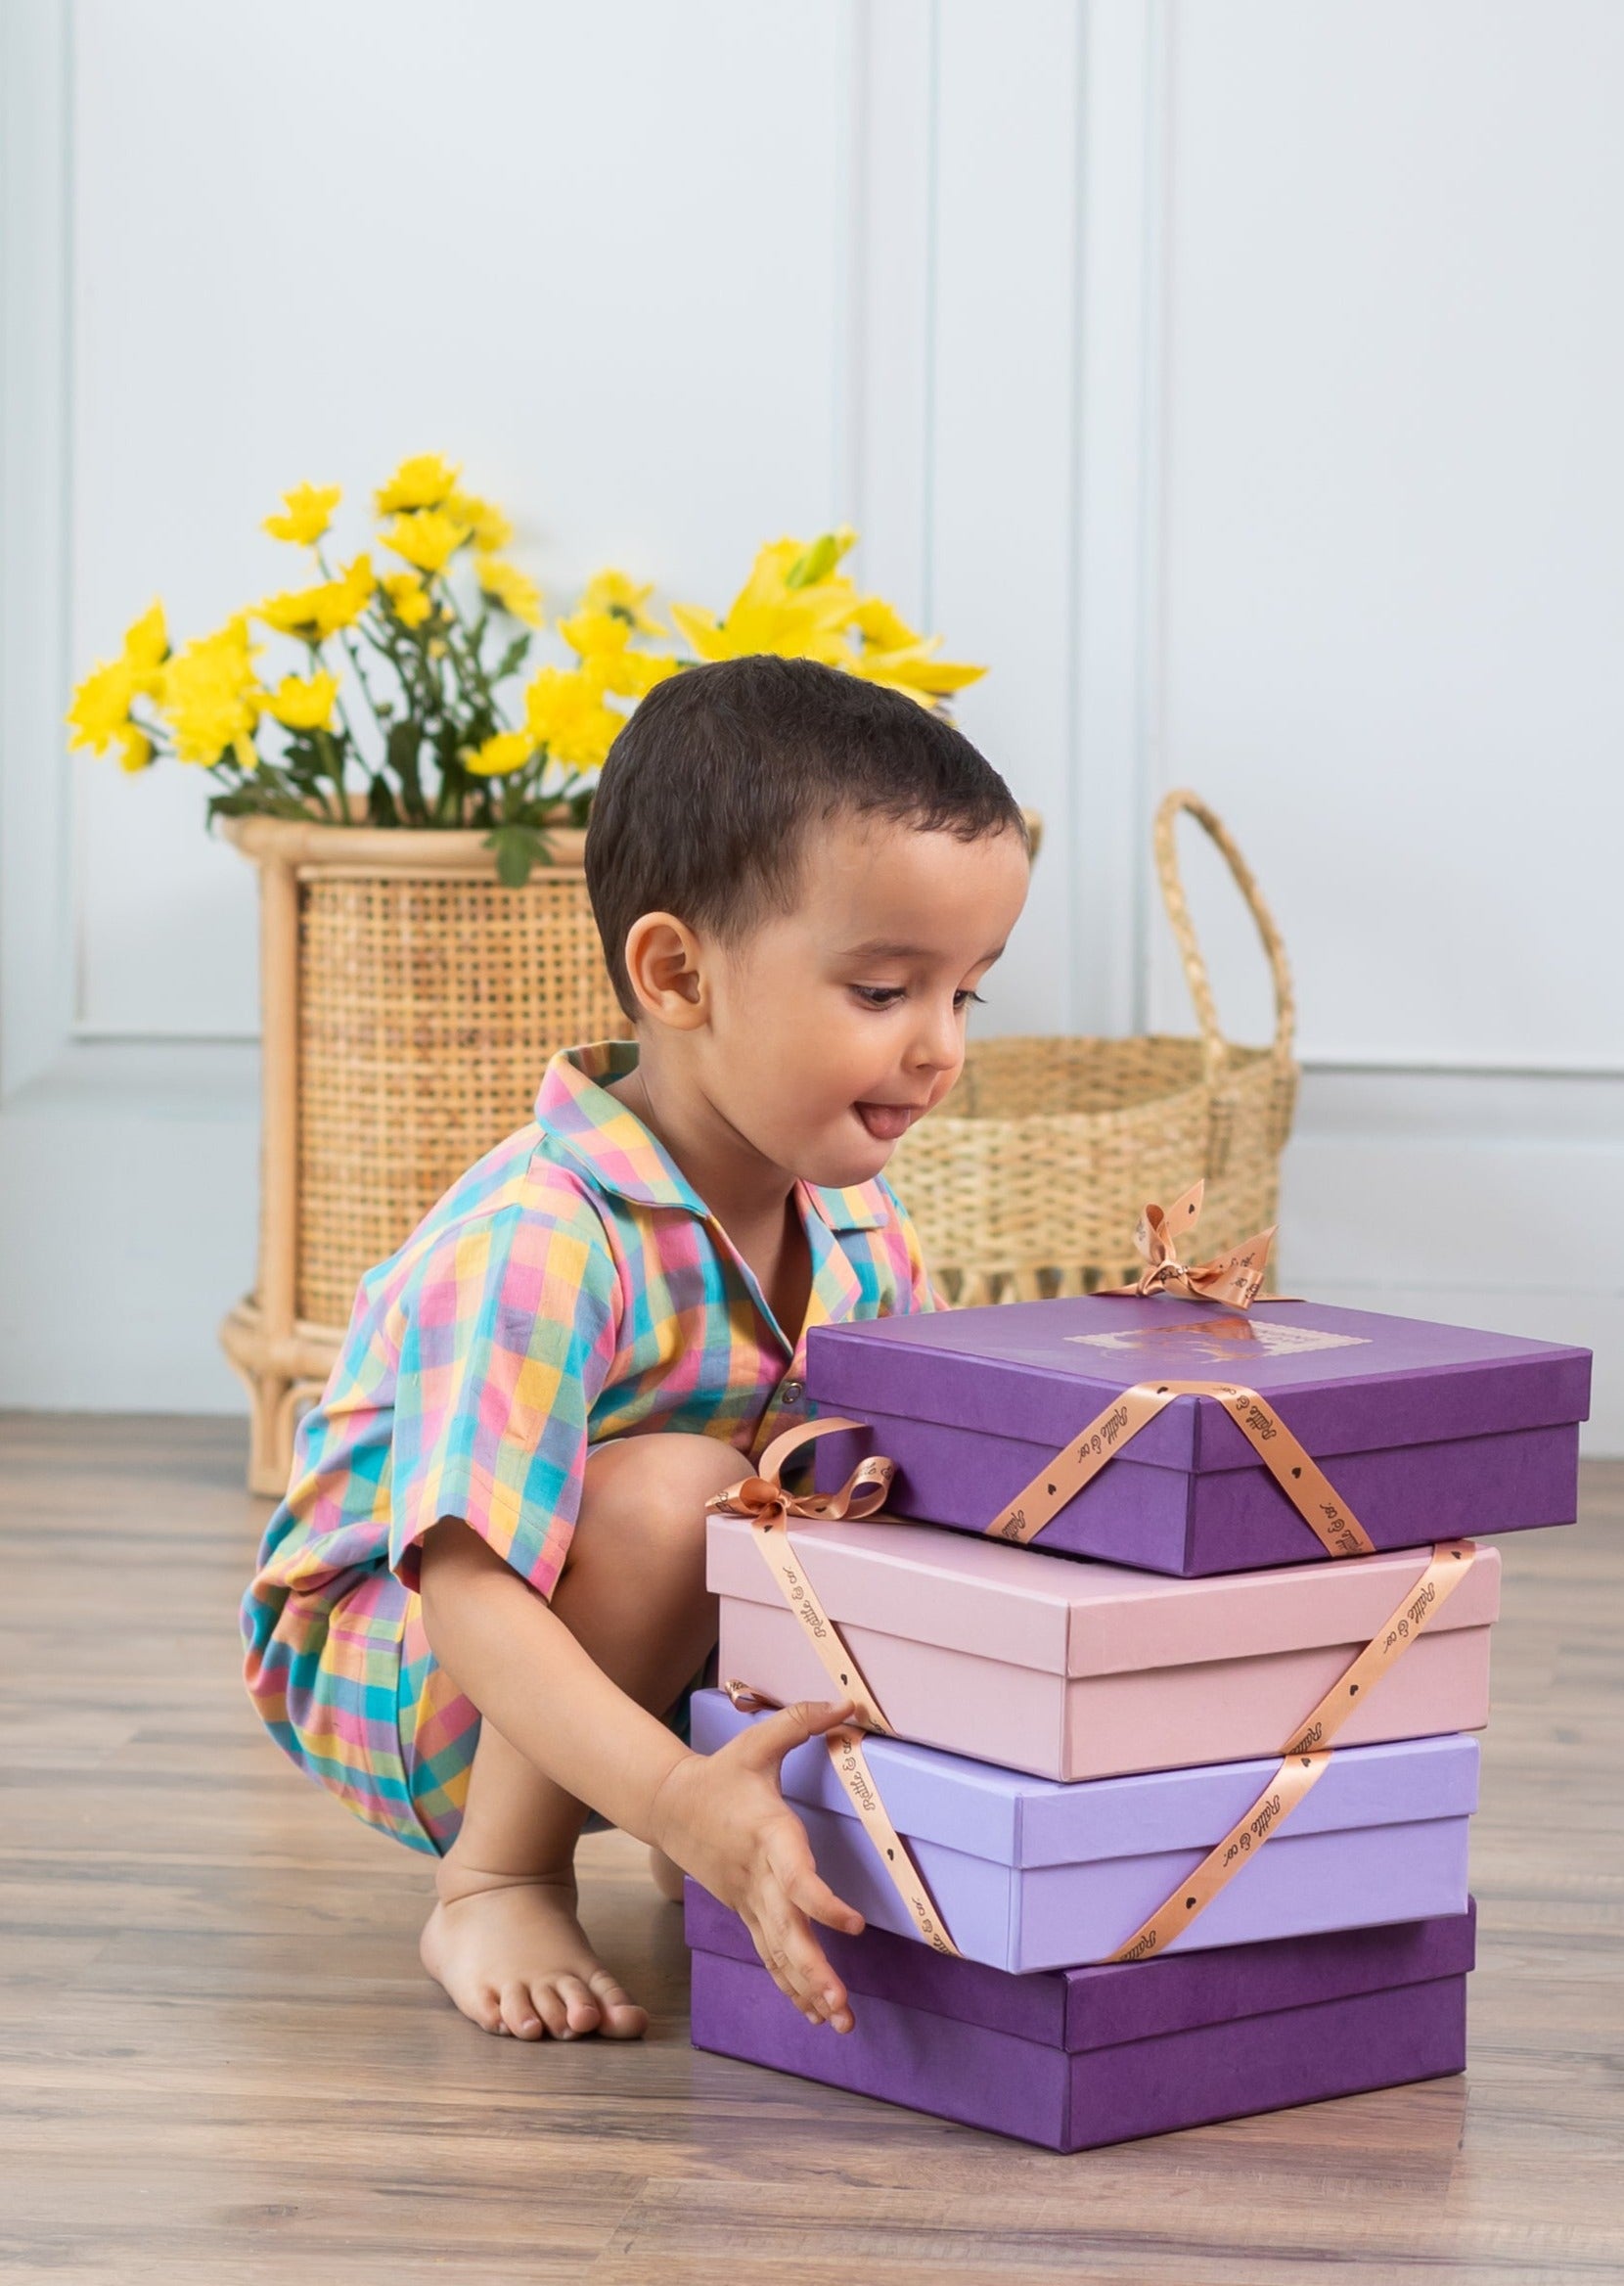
(481, 1605)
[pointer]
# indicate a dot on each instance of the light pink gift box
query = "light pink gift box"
(1071, 1669)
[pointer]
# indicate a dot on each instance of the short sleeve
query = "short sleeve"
(508, 1331)
(916, 1293)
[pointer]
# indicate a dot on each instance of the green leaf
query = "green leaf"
(511, 660)
(401, 749)
(254, 800)
(380, 809)
(517, 848)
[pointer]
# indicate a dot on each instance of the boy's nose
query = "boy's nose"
(937, 1045)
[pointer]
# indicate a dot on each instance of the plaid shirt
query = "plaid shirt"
(570, 1288)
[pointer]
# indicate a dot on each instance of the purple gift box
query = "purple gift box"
(1029, 1873)
(1082, 2057)
(1427, 1432)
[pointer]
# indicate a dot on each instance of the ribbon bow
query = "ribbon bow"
(764, 1500)
(1235, 1278)
(769, 1507)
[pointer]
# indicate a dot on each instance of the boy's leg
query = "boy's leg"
(504, 1939)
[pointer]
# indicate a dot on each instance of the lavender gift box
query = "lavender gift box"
(1092, 1671)
(1427, 1432)
(1030, 1874)
(1089, 2056)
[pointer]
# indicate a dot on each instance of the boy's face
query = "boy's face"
(834, 1026)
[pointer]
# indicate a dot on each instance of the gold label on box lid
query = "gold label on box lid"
(1214, 1339)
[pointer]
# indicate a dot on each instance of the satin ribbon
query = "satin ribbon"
(1305, 1757)
(762, 1498)
(1235, 1278)
(1292, 1467)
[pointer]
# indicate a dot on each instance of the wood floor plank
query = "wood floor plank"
(219, 2061)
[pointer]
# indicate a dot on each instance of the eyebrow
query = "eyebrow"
(886, 948)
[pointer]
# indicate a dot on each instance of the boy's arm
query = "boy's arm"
(721, 1816)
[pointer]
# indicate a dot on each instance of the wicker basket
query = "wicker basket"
(1031, 1179)
(410, 1005)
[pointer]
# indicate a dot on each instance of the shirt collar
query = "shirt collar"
(614, 1148)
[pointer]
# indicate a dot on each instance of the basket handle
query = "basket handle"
(1214, 1045)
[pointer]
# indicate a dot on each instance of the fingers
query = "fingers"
(792, 1890)
(796, 1964)
(812, 1894)
(765, 1744)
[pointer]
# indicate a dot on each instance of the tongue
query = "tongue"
(885, 1122)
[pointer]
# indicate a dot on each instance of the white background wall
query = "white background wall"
(1242, 381)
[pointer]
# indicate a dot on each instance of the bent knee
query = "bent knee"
(649, 1493)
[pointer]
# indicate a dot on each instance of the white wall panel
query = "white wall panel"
(1002, 533)
(1240, 381)
(598, 253)
(1393, 488)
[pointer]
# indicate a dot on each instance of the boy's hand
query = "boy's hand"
(724, 1820)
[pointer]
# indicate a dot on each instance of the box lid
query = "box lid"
(1342, 1380)
(1012, 1820)
(1080, 2009)
(1072, 1616)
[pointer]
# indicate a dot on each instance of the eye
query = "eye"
(878, 995)
(963, 998)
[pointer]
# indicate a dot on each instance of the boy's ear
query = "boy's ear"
(663, 963)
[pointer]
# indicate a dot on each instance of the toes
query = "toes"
(519, 2014)
(552, 2011)
(583, 2011)
(623, 2020)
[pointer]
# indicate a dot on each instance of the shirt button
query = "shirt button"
(790, 1392)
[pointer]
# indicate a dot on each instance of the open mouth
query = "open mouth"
(886, 1121)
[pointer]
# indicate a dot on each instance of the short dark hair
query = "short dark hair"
(709, 794)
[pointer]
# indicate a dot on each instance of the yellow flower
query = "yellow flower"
(145, 648)
(428, 540)
(616, 592)
(314, 614)
(508, 750)
(100, 712)
(211, 699)
(308, 511)
(304, 705)
(135, 748)
(564, 710)
(422, 481)
(603, 641)
(490, 527)
(883, 626)
(793, 604)
(506, 585)
(594, 634)
(101, 707)
(633, 674)
(911, 666)
(408, 597)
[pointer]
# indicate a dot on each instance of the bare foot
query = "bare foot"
(667, 1874)
(513, 1957)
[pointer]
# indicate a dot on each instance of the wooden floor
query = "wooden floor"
(219, 2063)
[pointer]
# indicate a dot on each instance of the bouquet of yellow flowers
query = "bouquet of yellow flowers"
(402, 703)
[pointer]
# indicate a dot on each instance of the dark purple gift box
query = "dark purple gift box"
(1080, 2057)
(1427, 1432)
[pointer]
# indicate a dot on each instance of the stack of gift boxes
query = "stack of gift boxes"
(1142, 1911)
